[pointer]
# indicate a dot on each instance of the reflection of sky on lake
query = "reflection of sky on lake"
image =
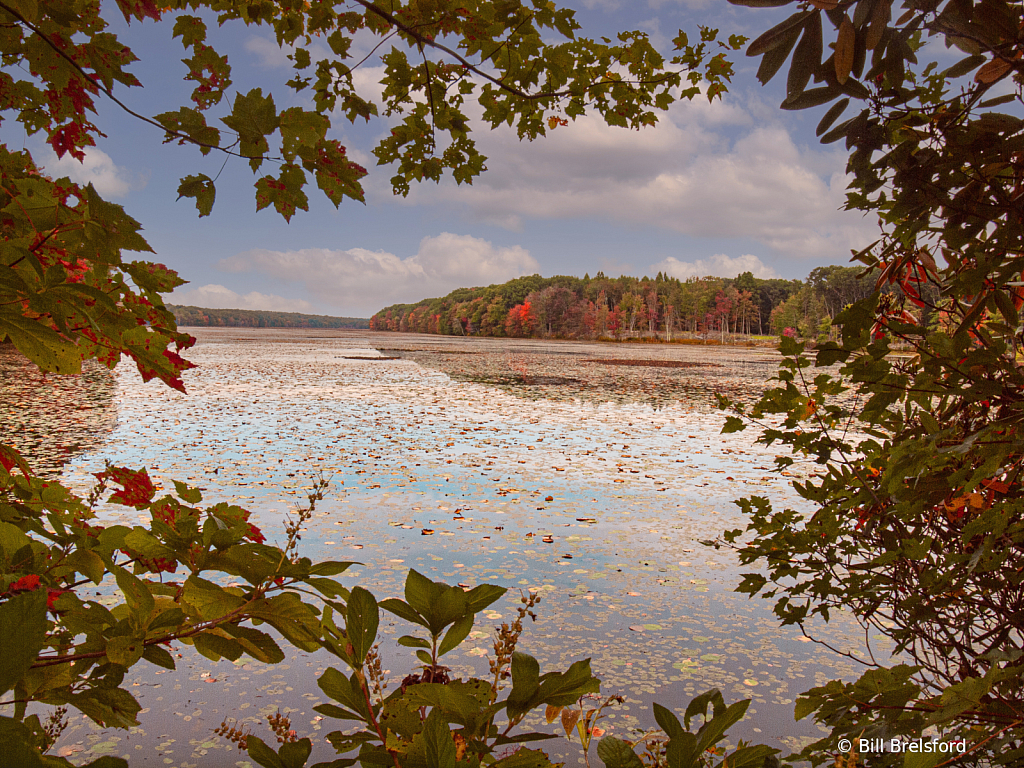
(52, 417)
(408, 448)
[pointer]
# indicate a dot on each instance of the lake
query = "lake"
(586, 472)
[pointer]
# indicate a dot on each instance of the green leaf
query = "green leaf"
(460, 631)
(482, 595)
(214, 646)
(186, 493)
(200, 187)
(113, 707)
(211, 600)
(437, 603)
(526, 758)
(330, 568)
(12, 540)
(262, 754)
(361, 622)
(22, 635)
(778, 35)
(88, 563)
(812, 98)
(43, 346)
(438, 746)
(154, 654)
(291, 617)
(106, 761)
(341, 689)
(525, 682)
(124, 650)
(773, 59)
(408, 641)
(750, 757)
(27, 9)
(806, 58)
(617, 754)
(253, 116)
(452, 699)
(257, 644)
(136, 594)
(714, 731)
(142, 542)
(667, 721)
(18, 745)
(805, 705)
(191, 30)
(923, 759)
(561, 689)
(959, 698)
(699, 705)
(295, 753)
(963, 67)
(402, 610)
(733, 424)
(333, 710)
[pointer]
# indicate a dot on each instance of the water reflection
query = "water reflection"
(596, 497)
(654, 375)
(51, 418)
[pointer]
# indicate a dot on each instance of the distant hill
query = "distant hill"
(260, 318)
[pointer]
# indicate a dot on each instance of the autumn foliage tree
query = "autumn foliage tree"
(918, 526)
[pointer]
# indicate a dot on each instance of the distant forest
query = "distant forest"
(637, 308)
(259, 318)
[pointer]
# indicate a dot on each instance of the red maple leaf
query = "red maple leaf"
(25, 584)
(137, 489)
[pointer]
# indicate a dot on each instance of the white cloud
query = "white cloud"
(268, 53)
(215, 296)
(718, 265)
(110, 179)
(707, 169)
(358, 281)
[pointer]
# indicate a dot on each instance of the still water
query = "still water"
(585, 472)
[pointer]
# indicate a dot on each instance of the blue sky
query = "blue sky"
(713, 189)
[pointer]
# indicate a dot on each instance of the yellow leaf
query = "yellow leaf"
(551, 713)
(845, 45)
(992, 71)
(569, 719)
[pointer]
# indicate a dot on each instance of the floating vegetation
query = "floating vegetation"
(656, 363)
(52, 417)
(595, 503)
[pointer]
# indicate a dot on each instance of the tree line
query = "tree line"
(629, 307)
(201, 317)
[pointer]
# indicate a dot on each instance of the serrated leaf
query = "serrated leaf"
(43, 346)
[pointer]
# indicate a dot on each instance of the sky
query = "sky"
(714, 189)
